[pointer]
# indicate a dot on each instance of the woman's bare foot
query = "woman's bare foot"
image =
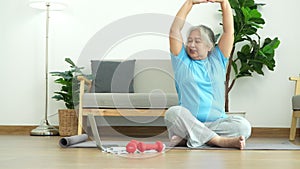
(229, 142)
(177, 141)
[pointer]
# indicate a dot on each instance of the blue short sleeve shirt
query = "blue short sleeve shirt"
(200, 84)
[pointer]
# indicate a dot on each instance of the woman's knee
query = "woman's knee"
(244, 126)
(174, 112)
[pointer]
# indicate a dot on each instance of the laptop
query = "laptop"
(116, 148)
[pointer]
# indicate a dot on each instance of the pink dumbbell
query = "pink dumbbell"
(158, 146)
(132, 146)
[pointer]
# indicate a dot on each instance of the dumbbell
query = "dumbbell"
(158, 146)
(132, 146)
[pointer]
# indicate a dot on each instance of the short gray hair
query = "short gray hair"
(206, 33)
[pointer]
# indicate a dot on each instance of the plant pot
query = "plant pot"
(68, 122)
(237, 113)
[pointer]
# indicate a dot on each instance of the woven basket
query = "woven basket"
(68, 122)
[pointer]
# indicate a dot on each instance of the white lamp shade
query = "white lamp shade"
(54, 5)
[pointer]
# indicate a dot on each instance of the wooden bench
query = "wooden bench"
(296, 112)
(110, 112)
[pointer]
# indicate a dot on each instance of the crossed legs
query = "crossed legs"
(184, 128)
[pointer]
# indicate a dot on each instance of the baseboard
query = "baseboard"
(16, 130)
(272, 132)
(149, 131)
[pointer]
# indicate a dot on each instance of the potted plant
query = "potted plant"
(69, 94)
(249, 53)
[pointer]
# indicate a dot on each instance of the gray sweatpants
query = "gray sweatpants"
(182, 123)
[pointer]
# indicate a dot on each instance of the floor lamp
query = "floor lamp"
(45, 129)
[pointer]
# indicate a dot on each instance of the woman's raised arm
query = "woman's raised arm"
(227, 38)
(175, 36)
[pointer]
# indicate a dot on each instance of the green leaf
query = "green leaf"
(61, 81)
(270, 45)
(57, 97)
(250, 31)
(246, 13)
(254, 13)
(234, 4)
(274, 43)
(247, 3)
(245, 49)
(257, 66)
(268, 49)
(70, 61)
(259, 21)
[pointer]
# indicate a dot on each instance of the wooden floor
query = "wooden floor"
(34, 152)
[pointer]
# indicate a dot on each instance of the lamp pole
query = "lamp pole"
(45, 129)
(46, 60)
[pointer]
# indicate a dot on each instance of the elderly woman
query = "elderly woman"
(199, 67)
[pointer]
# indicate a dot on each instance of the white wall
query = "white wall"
(265, 99)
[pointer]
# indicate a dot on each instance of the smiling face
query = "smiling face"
(197, 48)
